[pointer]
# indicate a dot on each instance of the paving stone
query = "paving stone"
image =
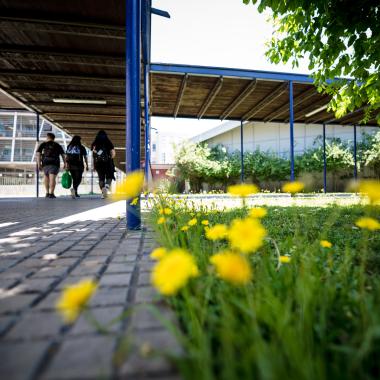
(70, 281)
(49, 271)
(115, 280)
(144, 279)
(146, 294)
(35, 325)
(18, 360)
(109, 296)
(79, 358)
(35, 285)
(144, 319)
(123, 267)
(16, 302)
(48, 303)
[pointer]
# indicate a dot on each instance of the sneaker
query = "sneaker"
(77, 195)
(47, 195)
(52, 196)
(104, 193)
(72, 191)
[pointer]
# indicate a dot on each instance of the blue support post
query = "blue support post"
(355, 156)
(132, 51)
(37, 140)
(324, 160)
(147, 121)
(241, 151)
(291, 124)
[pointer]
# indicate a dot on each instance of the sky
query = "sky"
(224, 33)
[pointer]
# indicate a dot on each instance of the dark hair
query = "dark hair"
(51, 135)
(75, 141)
(101, 139)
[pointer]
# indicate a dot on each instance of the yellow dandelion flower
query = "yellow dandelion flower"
(135, 201)
(368, 223)
(130, 187)
(217, 232)
(258, 212)
(293, 187)
(243, 189)
(174, 271)
(166, 211)
(371, 189)
(285, 259)
(192, 222)
(185, 228)
(158, 253)
(246, 235)
(325, 244)
(232, 267)
(74, 299)
(161, 220)
(205, 222)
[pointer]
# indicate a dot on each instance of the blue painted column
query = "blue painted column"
(324, 160)
(132, 144)
(355, 156)
(241, 151)
(37, 140)
(147, 121)
(291, 125)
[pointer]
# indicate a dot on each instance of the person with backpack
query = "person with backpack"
(103, 153)
(47, 156)
(75, 154)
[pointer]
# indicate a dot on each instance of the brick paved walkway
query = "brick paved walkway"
(46, 244)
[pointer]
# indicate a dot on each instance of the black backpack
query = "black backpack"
(73, 155)
(49, 156)
(102, 155)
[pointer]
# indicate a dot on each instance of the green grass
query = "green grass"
(317, 317)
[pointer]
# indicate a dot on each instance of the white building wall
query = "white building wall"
(275, 137)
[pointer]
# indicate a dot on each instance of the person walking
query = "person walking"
(75, 154)
(47, 156)
(103, 153)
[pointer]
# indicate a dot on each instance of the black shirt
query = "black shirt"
(50, 151)
(75, 154)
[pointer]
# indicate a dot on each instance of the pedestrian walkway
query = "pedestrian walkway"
(46, 244)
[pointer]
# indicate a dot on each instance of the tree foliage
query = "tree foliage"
(340, 39)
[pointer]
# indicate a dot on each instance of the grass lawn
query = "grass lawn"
(302, 311)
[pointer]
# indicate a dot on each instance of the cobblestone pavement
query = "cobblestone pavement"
(46, 244)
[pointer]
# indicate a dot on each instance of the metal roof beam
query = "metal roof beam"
(180, 95)
(309, 108)
(298, 100)
(210, 97)
(94, 94)
(349, 115)
(279, 90)
(71, 106)
(239, 99)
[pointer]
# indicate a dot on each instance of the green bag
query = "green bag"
(66, 180)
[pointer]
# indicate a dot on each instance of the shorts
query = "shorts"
(50, 169)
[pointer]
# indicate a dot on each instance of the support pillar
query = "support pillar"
(147, 122)
(132, 144)
(324, 160)
(291, 125)
(355, 156)
(37, 140)
(241, 151)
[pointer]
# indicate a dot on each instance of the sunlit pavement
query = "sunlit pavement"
(46, 244)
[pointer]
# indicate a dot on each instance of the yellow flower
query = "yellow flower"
(285, 259)
(74, 299)
(371, 188)
(173, 271)
(161, 220)
(243, 190)
(158, 253)
(246, 235)
(232, 267)
(368, 223)
(130, 187)
(325, 244)
(205, 222)
(135, 201)
(258, 212)
(192, 222)
(185, 228)
(293, 187)
(217, 232)
(166, 211)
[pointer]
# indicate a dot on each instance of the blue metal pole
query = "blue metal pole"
(291, 124)
(355, 156)
(241, 151)
(147, 121)
(37, 140)
(324, 160)
(132, 152)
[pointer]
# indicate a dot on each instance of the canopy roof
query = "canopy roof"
(52, 50)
